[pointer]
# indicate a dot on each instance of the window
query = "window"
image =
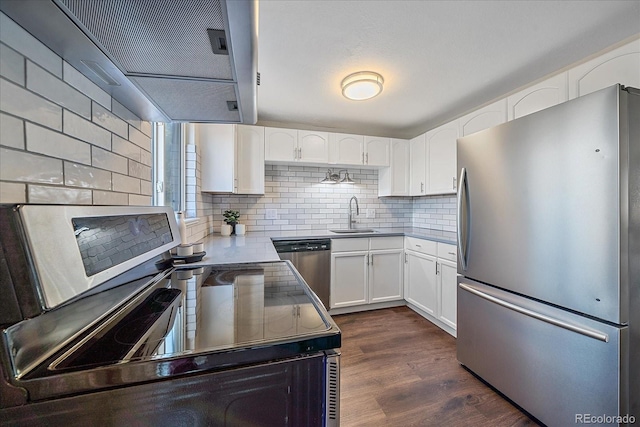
(169, 165)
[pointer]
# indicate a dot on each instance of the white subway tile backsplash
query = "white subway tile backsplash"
(76, 79)
(80, 128)
(109, 121)
(76, 175)
(125, 184)
(11, 192)
(54, 144)
(107, 160)
(56, 90)
(40, 169)
(11, 65)
(139, 138)
(11, 131)
(110, 198)
(20, 40)
(58, 195)
(61, 140)
(20, 102)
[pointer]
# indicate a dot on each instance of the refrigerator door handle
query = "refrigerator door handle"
(462, 239)
(600, 336)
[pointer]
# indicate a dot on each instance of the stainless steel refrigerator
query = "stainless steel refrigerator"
(549, 259)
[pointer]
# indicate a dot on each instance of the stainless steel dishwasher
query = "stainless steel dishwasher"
(312, 259)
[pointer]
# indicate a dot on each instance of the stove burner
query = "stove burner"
(112, 346)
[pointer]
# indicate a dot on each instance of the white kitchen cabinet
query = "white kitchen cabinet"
(430, 283)
(232, 158)
(291, 145)
(362, 276)
(441, 159)
(346, 149)
(548, 93)
(376, 151)
(418, 183)
(483, 118)
(448, 285)
(394, 180)
(349, 278)
(313, 147)
(280, 144)
(420, 281)
(385, 279)
(621, 65)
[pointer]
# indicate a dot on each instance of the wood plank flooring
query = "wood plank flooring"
(398, 369)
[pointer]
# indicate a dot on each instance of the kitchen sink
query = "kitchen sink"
(353, 230)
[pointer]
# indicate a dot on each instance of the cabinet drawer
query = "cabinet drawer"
(423, 246)
(446, 251)
(349, 245)
(395, 242)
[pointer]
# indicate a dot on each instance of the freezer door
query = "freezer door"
(540, 205)
(554, 364)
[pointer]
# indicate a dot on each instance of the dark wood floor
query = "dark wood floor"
(398, 369)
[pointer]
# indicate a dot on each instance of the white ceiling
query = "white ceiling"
(439, 59)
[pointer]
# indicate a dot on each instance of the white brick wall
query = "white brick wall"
(62, 138)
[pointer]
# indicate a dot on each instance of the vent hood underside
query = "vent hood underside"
(159, 53)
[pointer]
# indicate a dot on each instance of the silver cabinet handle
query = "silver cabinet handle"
(367, 158)
(462, 236)
(418, 246)
(454, 182)
(600, 336)
(422, 187)
(437, 272)
(451, 253)
(363, 157)
(300, 153)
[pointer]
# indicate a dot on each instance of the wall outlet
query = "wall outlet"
(271, 214)
(371, 213)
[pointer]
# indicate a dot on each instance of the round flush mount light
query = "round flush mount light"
(362, 85)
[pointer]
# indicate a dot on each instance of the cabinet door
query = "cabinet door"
(620, 65)
(280, 144)
(484, 118)
(385, 275)
(250, 159)
(447, 273)
(418, 164)
(441, 152)
(348, 149)
(394, 180)
(543, 95)
(313, 147)
(218, 153)
(348, 279)
(421, 282)
(376, 151)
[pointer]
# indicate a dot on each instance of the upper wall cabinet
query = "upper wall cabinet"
(394, 180)
(484, 118)
(418, 184)
(441, 164)
(621, 65)
(377, 151)
(346, 149)
(290, 145)
(232, 158)
(543, 95)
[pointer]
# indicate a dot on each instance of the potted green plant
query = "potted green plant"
(231, 218)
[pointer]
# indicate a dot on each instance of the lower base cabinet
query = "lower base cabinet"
(430, 281)
(366, 270)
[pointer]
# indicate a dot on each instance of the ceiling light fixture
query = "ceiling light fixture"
(362, 85)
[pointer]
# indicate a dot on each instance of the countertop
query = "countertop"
(258, 246)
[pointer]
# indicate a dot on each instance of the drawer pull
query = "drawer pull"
(451, 253)
(418, 246)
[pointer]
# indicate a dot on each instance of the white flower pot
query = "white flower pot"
(226, 229)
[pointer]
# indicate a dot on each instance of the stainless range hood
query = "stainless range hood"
(156, 57)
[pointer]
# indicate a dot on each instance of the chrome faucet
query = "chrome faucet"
(351, 220)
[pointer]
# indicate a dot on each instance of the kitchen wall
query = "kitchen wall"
(62, 138)
(303, 203)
